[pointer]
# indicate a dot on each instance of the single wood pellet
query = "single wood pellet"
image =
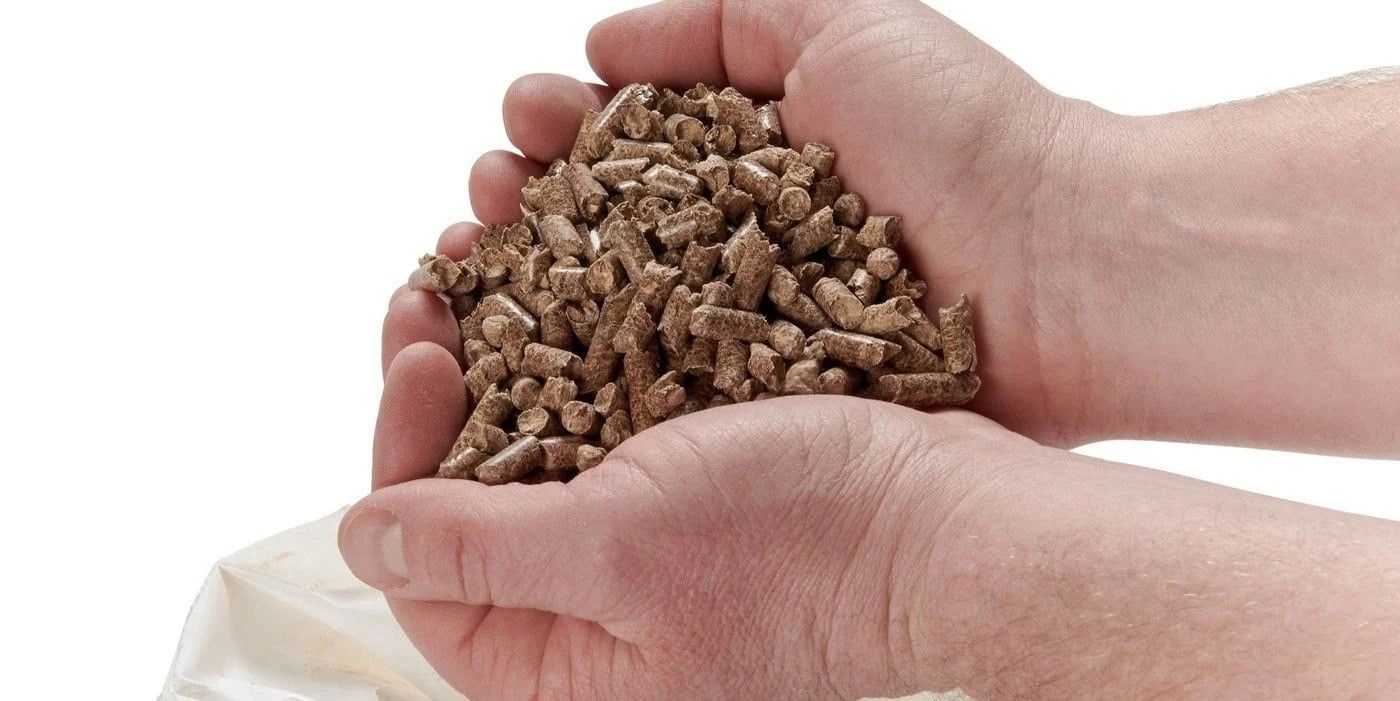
(682, 258)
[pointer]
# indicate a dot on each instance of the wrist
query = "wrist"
(1063, 576)
(1222, 260)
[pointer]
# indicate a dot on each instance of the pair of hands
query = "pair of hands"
(1133, 277)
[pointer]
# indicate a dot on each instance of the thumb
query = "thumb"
(515, 546)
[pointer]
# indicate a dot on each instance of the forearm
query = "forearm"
(1243, 272)
(1072, 577)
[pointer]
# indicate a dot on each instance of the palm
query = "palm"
(952, 137)
(751, 499)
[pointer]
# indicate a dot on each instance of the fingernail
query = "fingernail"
(373, 549)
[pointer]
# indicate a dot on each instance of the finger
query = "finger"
(458, 240)
(749, 45)
(420, 413)
(415, 316)
(543, 112)
(397, 293)
(519, 546)
(493, 652)
(495, 183)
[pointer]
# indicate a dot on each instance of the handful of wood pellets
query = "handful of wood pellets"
(683, 257)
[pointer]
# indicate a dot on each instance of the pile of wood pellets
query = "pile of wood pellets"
(683, 257)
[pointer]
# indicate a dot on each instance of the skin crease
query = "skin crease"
(1227, 275)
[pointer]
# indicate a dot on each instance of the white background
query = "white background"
(203, 209)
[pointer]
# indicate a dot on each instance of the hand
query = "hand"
(727, 553)
(1137, 277)
(838, 547)
(964, 142)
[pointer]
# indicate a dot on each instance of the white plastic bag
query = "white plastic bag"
(285, 619)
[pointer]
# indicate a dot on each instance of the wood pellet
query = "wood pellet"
(683, 257)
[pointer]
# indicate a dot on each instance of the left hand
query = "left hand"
(729, 553)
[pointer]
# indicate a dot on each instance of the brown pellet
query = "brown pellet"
(794, 203)
(955, 328)
(928, 389)
(436, 274)
(590, 197)
(656, 284)
(665, 395)
(850, 210)
(879, 232)
(718, 294)
(838, 302)
(555, 329)
(461, 463)
(609, 399)
(664, 181)
(731, 364)
(719, 323)
(474, 349)
(802, 377)
(886, 317)
(502, 303)
(539, 422)
(837, 380)
(767, 115)
(924, 330)
(913, 356)
(673, 329)
(629, 240)
(787, 339)
(734, 203)
(636, 330)
(683, 257)
(698, 264)
(792, 303)
(766, 366)
(509, 465)
(759, 182)
(524, 392)
(639, 370)
(864, 286)
(583, 148)
(882, 262)
(714, 172)
(560, 452)
(583, 320)
(819, 156)
(611, 173)
(487, 438)
(751, 277)
(550, 195)
(589, 457)
(486, 371)
(493, 408)
(579, 418)
(683, 127)
(855, 349)
(546, 361)
(902, 286)
(811, 235)
(699, 357)
(556, 392)
(616, 429)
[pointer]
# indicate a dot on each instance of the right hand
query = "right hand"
(928, 123)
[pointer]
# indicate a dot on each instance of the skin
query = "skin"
(1226, 275)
